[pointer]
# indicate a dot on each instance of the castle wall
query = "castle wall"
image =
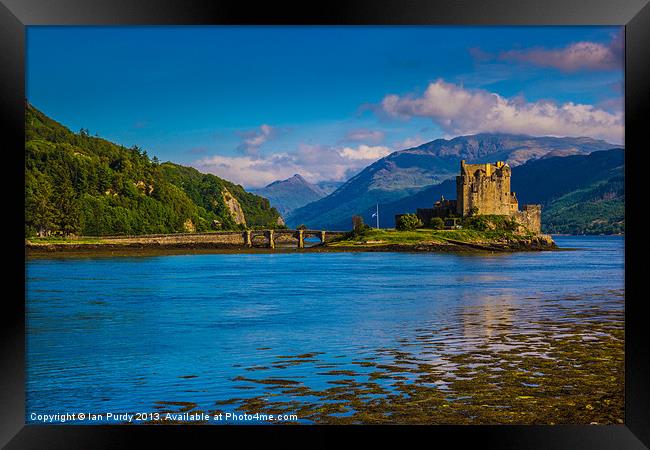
(441, 209)
(530, 217)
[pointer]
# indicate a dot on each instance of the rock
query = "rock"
(188, 226)
(236, 211)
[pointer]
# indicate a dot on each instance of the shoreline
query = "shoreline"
(36, 250)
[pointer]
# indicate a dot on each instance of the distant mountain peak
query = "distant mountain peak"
(295, 179)
(294, 192)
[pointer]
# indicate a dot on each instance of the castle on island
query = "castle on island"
(484, 189)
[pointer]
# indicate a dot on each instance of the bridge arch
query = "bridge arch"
(269, 237)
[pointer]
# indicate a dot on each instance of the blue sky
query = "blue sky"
(255, 104)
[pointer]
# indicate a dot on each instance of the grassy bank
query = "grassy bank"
(491, 240)
(63, 240)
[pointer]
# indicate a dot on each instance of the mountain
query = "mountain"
(329, 186)
(405, 172)
(579, 194)
(84, 185)
(287, 195)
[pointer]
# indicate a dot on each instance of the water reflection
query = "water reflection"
(565, 368)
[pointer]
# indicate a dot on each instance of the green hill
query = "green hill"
(85, 185)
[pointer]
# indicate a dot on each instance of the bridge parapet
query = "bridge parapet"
(245, 238)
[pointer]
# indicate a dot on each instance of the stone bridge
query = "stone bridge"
(248, 238)
(270, 237)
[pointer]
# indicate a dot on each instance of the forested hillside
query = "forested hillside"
(79, 184)
(579, 194)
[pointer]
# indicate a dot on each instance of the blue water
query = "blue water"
(124, 333)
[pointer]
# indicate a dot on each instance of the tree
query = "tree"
(67, 209)
(437, 223)
(408, 222)
(357, 223)
(39, 210)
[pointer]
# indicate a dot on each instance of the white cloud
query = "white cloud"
(463, 111)
(584, 55)
(248, 170)
(314, 162)
(253, 139)
(364, 152)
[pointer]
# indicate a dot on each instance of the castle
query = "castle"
(483, 189)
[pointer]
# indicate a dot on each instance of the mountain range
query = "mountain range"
(406, 172)
(579, 193)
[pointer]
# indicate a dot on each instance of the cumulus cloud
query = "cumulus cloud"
(583, 55)
(249, 170)
(364, 152)
(467, 111)
(253, 139)
(372, 136)
(314, 162)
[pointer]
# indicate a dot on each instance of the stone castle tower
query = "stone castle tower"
(485, 189)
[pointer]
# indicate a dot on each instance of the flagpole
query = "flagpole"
(377, 215)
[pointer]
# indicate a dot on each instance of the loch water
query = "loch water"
(319, 335)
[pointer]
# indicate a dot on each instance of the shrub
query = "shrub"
(407, 222)
(490, 222)
(437, 223)
(478, 223)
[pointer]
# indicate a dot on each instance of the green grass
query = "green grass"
(375, 237)
(65, 240)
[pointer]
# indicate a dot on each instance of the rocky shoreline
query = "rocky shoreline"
(533, 243)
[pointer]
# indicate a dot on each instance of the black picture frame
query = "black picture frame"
(15, 15)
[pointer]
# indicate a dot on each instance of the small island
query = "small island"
(484, 216)
(429, 240)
